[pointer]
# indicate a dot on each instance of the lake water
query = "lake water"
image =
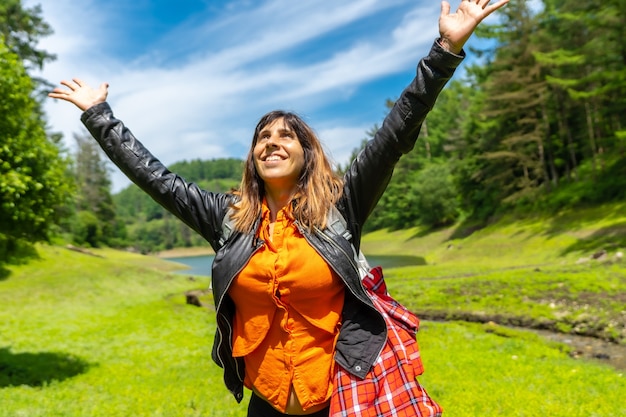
(201, 265)
(198, 265)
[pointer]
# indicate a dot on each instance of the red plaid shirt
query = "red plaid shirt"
(390, 388)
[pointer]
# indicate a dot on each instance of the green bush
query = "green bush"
(86, 229)
(436, 196)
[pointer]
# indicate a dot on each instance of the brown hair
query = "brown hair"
(319, 187)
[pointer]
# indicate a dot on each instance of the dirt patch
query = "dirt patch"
(590, 348)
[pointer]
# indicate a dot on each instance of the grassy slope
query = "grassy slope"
(82, 335)
(532, 272)
(509, 242)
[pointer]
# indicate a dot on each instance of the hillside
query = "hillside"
(565, 273)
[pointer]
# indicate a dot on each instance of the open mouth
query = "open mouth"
(273, 158)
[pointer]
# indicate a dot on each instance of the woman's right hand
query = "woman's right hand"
(80, 93)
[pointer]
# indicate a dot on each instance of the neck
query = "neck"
(277, 199)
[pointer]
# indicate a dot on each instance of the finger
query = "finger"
(483, 3)
(78, 81)
(445, 8)
(104, 90)
(493, 7)
(68, 84)
(58, 93)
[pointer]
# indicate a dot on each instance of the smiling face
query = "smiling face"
(278, 156)
(286, 164)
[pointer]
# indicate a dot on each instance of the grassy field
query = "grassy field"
(109, 333)
(532, 272)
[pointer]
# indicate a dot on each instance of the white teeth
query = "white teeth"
(273, 158)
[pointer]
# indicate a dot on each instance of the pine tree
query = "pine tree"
(96, 217)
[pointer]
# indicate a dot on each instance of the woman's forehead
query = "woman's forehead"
(278, 123)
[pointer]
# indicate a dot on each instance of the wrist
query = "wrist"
(449, 46)
(89, 104)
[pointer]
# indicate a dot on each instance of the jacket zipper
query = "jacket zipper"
(259, 244)
(352, 261)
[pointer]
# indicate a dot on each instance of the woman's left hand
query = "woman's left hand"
(456, 28)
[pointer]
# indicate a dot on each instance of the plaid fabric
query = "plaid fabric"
(390, 388)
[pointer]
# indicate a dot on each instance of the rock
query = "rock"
(601, 254)
(603, 356)
(193, 298)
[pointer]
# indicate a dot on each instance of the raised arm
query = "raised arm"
(370, 172)
(199, 209)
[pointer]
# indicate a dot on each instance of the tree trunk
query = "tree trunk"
(592, 140)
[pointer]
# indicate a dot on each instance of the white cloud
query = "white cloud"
(198, 91)
(339, 142)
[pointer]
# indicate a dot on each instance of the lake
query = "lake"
(201, 265)
(198, 265)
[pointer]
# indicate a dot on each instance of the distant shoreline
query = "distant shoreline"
(182, 252)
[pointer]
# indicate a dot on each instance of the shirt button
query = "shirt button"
(357, 368)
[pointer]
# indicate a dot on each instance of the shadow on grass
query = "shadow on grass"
(474, 224)
(37, 369)
(567, 222)
(606, 238)
(4, 273)
(466, 229)
(462, 231)
(394, 261)
(14, 252)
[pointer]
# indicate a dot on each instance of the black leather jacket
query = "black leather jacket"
(363, 332)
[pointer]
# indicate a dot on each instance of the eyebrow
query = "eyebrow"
(281, 130)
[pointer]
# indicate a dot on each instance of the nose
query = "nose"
(271, 141)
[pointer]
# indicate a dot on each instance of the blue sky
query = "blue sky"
(191, 78)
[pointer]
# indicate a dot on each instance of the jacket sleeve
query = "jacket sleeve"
(370, 172)
(201, 210)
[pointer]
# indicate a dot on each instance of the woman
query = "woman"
(291, 309)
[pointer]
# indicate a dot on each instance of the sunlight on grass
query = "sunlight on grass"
(108, 333)
(471, 372)
(523, 271)
(143, 351)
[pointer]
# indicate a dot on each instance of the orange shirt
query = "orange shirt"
(288, 305)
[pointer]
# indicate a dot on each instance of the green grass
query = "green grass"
(111, 335)
(585, 300)
(534, 272)
(473, 371)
